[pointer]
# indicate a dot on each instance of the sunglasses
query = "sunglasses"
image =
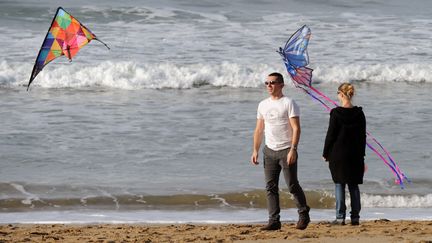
(271, 82)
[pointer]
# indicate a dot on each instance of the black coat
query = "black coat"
(345, 144)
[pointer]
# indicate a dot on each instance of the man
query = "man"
(278, 117)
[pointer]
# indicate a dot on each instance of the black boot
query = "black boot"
(304, 220)
(303, 223)
(355, 221)
(272, 225)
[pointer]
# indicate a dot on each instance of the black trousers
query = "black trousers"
(274, 163)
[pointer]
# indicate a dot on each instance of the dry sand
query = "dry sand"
(369, 231)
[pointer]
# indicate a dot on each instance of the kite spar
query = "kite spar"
(66, 36)
(296, 58)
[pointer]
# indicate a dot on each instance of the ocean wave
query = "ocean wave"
(133, 75)
(20, 197)
(378, 73)
(150, 14)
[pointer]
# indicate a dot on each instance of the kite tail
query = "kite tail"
(395, 168)
(328, 108)
(400, 176)
(390, 158)
(324, 96)
(316, 98)
(395, 171)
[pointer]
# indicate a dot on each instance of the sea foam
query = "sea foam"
(132, 75)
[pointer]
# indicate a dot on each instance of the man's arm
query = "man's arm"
(257, 139)
(295, 124)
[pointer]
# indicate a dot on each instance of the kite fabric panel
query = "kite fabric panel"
(296, 58)
(66, 36)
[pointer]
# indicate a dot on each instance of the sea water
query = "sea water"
(159, 128)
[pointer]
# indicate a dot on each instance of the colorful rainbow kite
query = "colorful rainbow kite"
(296, 58)
(66, 36)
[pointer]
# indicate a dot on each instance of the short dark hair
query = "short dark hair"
(278, 75)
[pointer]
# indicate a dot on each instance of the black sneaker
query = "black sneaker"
(272, 226)
(338, 222)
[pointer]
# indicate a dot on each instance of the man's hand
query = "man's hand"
(254, 158)
(292, 157)
(292, 154)
(257, 138)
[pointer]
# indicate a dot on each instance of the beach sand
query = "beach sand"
(369, 231)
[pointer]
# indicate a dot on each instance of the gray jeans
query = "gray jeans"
(274, 163)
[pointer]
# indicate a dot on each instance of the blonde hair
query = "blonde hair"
(347, 89)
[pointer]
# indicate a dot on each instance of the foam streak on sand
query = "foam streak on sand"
(29, 196)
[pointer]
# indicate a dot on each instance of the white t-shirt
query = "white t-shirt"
(277, 128)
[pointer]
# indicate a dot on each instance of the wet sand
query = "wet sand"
(368, 231)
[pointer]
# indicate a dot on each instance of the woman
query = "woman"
(344, 148)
